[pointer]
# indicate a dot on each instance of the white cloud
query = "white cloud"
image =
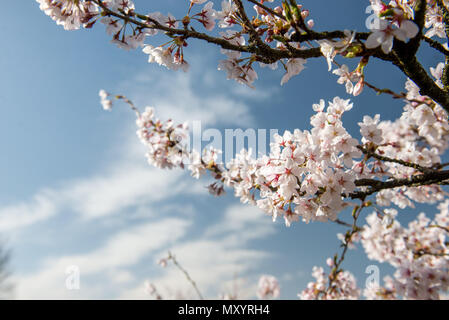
(177, 96)
(108, 193)
(41, 207)
(242, 223)
(125, 187)
(122, 250)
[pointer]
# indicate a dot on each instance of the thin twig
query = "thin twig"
(398, 161)
(269, 10)
(336, 268)
(192, 282)
(439, 227)
(443, 8)
(254, 36)
(436, 45)
(343, 223)
(396, 95)
(264, 54)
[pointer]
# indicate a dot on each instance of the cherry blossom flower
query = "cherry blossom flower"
(112, 26)
(385, 34)
(207, 16)
(347, 78)
(105, 102)
(345, 287)
(293, 68)
(418, 253)
(331, 48)
(437, 73)
(370, 130)
(434, 23)
(70, 14)
(243, 74)
(268, 287)
(226, 17)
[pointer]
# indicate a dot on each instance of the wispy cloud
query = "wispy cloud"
(200, 94)
(41, 207)
(104, 194)
(121, 250)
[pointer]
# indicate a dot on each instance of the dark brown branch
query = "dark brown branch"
(327, 35)
(342, 223)
(439, 227)
(253, 35)
(265, 54)
(401, 56)
(396, 95)
(445, 75)
(422, 252)
(415, 71)
(420, 18)
(436, 45)
(426, 179)
(405, 58)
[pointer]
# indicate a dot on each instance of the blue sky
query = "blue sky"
(75, 188)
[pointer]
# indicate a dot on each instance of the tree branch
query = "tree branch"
(430, 178)
(420, 18)
(436, 45)
(415, 166)
(186, 274)
(265, 54)
(445, 75)
(415, 71)
(401, 56)
(253, 35)
(348, 239)
(396, 95)
(269, 10)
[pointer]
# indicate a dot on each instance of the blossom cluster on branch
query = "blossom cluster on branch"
(419, 253)
(283, 34)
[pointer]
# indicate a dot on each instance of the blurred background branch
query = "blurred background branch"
(6, 286)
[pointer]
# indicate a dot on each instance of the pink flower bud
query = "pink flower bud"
(359, 87)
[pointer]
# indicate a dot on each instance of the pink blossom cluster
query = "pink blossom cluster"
(420, 136)
(163, 140)
(268, 287)
(394, 23)
(420, 254)
(70, 14)
(308, 173)
(434, 22)
(73, 14)
(304, 176)
(343, 286)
